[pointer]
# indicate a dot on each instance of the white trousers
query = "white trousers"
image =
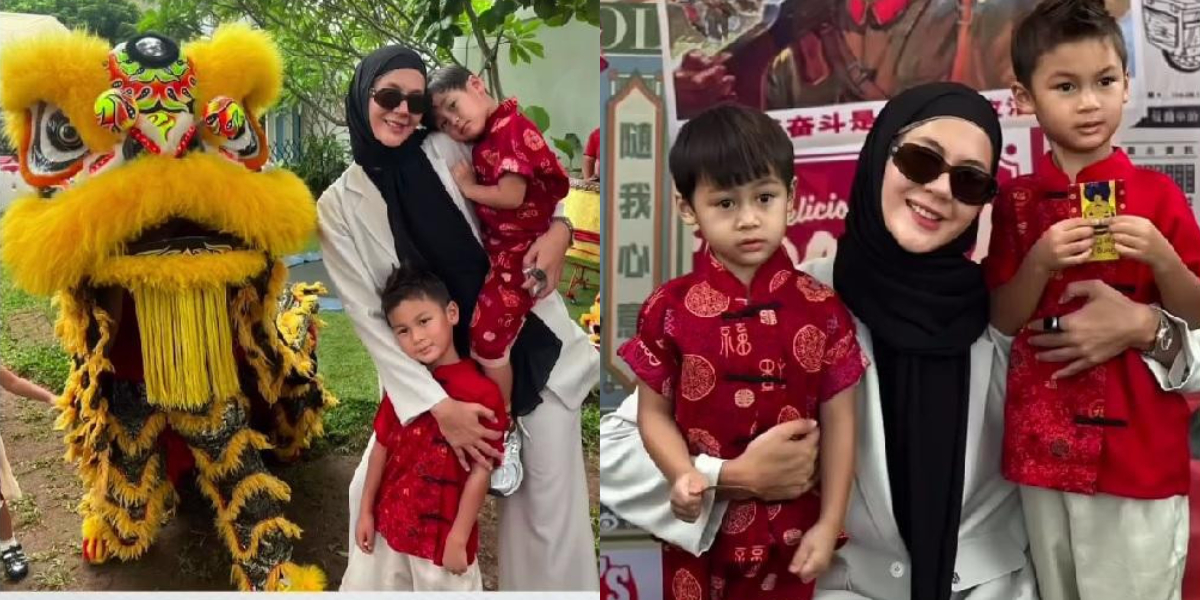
(1105, 547)
(386, 570)
(546, 541)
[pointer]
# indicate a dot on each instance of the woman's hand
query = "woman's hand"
(548, 253)
(461, 425)
(777, 465)
(1107, 325)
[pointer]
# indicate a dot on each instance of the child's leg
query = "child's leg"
(1128, 548)
(1050, 539)
(502, 375)
(6, 526)
(499, 315)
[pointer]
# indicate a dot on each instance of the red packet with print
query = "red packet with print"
(1101, 200)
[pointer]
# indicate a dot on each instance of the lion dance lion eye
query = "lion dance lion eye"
(56, 151)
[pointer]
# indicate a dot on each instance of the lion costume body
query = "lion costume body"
(160, 233)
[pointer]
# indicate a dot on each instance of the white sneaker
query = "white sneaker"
(507, 477)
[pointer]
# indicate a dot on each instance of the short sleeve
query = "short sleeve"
(651, 353)
(1178, 225)
(843, 362)
(386, 423)
(524, 151)
(593, 144)
(516, 147)
(1004, 254)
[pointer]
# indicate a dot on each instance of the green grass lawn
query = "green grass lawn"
(27, 343)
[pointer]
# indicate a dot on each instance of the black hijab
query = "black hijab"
(430, 231)
(924, 311)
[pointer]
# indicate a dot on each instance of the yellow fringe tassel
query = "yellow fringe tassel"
(187, 345)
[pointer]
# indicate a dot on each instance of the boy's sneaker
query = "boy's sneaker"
(16, 564)
(507, 477)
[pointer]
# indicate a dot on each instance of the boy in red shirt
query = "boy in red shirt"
(416, 497)
(591, 156)
(1101, 456)
(742, 343)
(516, 184)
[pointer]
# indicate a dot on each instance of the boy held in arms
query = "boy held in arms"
(516, 182)
(417, 498)
(1101, 454)
(742, 343)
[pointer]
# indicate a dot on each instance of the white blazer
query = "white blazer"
(991, 562)
(360, 252)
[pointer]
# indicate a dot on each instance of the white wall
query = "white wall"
(566, 82)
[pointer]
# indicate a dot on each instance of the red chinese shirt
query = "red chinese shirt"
(1111, 429)
(513, 144)
(422, 481)
(737, 363)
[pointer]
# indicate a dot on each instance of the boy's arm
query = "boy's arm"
(23, 387)
(375, 465)
(468, 506)
(1179, 289)
(508, 194)
(837, 456)
(660, 434)
(1064, 244)
(1012, 304)
(1170, 246)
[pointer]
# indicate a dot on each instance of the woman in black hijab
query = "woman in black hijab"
(902, 269)
(398, 204)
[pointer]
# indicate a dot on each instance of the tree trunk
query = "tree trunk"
(491, 66)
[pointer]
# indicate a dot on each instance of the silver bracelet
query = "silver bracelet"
(566, 221)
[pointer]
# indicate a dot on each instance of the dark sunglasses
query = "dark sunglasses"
(922, 165)
(389, 98)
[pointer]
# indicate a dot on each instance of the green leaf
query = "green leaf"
(522, 53)
(538, 115)
(590, 13)
(536, 49)
(513, 57)
(565, 147)
(546, 9)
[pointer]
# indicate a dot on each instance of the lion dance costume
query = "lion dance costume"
(160, 233)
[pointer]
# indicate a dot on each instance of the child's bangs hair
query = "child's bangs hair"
(1056, 22)
(728, 146)
(409, 283)
(448, 79)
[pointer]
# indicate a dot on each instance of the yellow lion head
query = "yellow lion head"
(149, 162)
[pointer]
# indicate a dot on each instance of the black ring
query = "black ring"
(1051, 324)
